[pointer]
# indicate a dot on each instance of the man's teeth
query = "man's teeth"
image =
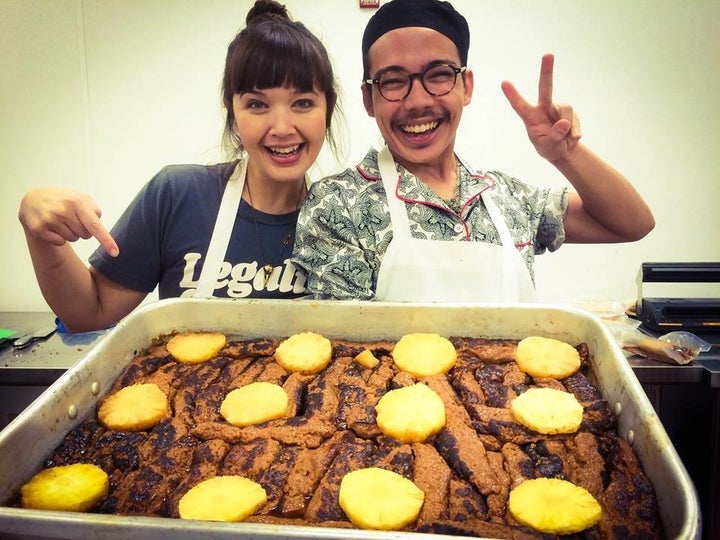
(286, 150)
(421, 128)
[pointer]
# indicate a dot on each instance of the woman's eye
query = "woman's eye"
(255, 104)
(304, 103)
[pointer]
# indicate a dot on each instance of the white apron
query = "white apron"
(418, 270)
(221, 233)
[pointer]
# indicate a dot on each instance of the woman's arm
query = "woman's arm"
(81, 297)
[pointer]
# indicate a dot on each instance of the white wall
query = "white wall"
(98, 95)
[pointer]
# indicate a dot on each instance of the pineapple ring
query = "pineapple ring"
(254, 403)
(546, 357)
(375, 498)
(547, 410)
(424, 355)
(411, 414)
(134, 408)
(195, 347)
(306, 352)
(222, 498)
(553, 506)
(73, 488)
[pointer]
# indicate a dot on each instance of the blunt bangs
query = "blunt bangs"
(280, 59)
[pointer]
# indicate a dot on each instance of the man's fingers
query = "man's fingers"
(575, 131)
(545, 86)
(566, 112)
(560, 130)
(517, 102)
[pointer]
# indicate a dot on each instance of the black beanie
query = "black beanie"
(435, 14)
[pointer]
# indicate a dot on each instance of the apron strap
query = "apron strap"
(222, 231)
(390, 179)
(497, 218)
(512, 260)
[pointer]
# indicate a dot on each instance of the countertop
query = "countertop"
(43, 361)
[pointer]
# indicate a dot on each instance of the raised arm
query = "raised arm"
(81, 297)
(605, 207)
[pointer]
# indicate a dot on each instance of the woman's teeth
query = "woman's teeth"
(285, 151)
(417, 129)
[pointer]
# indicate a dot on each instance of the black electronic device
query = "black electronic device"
(665, 314)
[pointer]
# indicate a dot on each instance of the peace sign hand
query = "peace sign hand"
(553, 129)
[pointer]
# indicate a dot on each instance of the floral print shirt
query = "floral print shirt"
(344, 226)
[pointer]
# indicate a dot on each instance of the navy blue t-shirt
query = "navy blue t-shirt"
(164, 235)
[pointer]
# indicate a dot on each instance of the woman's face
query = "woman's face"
(282, 131)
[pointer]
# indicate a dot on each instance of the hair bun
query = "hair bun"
(265, 10)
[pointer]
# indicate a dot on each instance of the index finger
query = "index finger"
(94, 226)
(106, 240)
(517, 102)
(545, 86)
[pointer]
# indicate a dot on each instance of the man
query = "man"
(414, 222)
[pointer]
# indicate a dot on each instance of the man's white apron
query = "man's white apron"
(418, 270)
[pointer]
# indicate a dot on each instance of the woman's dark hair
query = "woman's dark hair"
(274, 51)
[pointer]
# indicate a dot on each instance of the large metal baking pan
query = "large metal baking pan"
(26, 441)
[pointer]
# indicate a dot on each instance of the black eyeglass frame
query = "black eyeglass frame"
(420, 76)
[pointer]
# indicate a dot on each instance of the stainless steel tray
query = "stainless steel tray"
(40, 428)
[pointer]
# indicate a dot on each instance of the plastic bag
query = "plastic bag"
(674, 348)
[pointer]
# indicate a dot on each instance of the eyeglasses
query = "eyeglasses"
(437, 80)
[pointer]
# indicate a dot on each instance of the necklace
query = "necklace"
(454, 201)
(268, 267)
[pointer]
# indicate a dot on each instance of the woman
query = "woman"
(221, 230)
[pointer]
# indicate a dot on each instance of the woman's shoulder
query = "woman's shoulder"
(190, 173)
(193, 183)
(191, 178)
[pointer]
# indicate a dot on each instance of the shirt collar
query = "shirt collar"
(413, 188)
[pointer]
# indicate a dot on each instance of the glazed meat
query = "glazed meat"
(466, 470)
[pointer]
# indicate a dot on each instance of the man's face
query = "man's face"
(419, 129)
